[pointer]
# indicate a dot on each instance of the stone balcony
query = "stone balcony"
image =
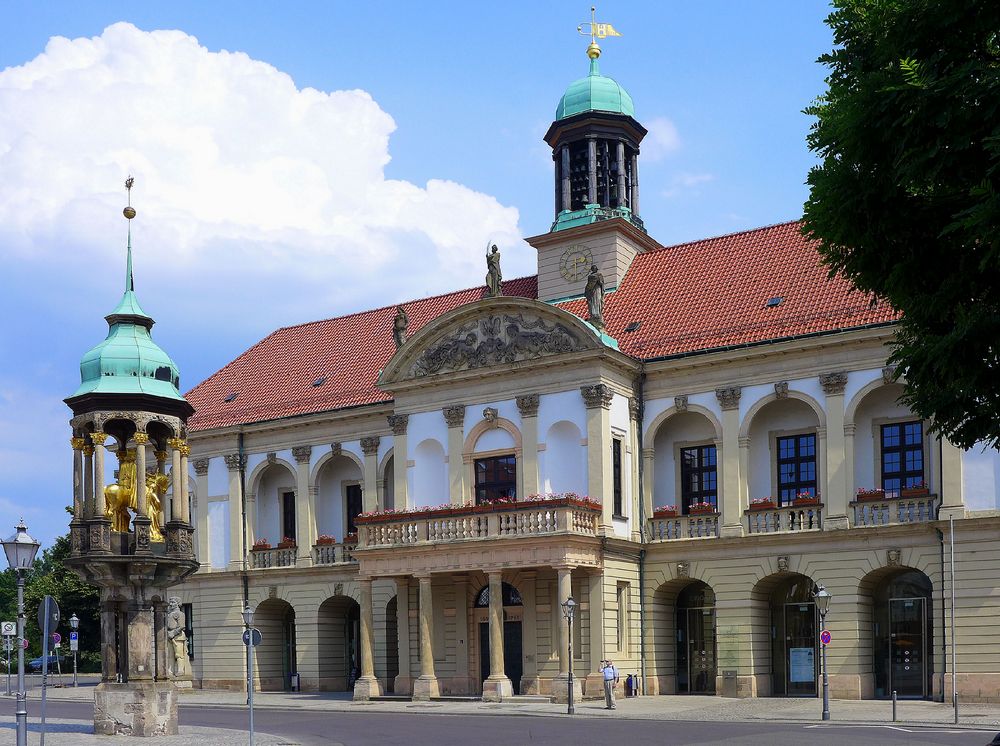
(784, 519)
(261, 559)
(499, 520)
(891, 511)
(670, 528)
(334, 554)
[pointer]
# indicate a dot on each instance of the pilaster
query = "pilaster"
(454, 417)
(400, 458)
(370, 494)
(367, 686)
(597, 399)
(530, 683)
(595, 678)
(564, 576)
(837, 488)
(201, 488)
(234, 463)
(404, 679)
(527, 405)
(732, 509)
(426, 686)
(952, 499)
(305, 521)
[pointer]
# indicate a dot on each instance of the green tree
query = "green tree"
(905, 202)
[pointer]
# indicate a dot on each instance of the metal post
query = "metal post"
(21, 711)
(74, 668)
(894, 705)
(45, 663)
(570, 710)
(954, 667)
(826, 679)
(250, 678)
(7, 643)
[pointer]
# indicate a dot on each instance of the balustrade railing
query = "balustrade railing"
(333, 554)
(784, 519)
(264, 558)
(669, 528)
(894, 510)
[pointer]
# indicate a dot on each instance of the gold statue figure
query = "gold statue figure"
(122, 497)
(156, 487)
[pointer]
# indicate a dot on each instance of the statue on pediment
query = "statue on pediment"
(399, 325)
(494, 277)
(594, 292)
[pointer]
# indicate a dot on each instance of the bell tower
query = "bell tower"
(595, 142)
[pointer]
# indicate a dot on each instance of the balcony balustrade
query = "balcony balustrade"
(490, 521)
(265, 558)
(785, 519)
(334, 554)
(891, 511)
(669, 528)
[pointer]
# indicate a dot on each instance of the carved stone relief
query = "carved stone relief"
(598, 395)
(336, 449)
(527, 405)
(681, 403)
(454, 415)
(398, 423)
(781, 389)
(201, 466)
(302, 454)
(833, 383)
(729, 397)
(272, 457)
(892, 557)
(889, 373)
(683, 569)
(369, 445)
(783, 563)
(234, 461)
(490, 414)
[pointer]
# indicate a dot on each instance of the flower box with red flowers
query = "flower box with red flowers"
(701, 508)
(805, 499)
(287, 543)
(325, 540)
(864, 495)
(914, 491)
(351, 539)
(762, 503)
(261, 545)
(665, 511)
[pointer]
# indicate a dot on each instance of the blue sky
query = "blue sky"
(262, 203)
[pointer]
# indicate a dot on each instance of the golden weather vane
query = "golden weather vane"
(596, 30)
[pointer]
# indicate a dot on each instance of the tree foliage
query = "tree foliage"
(905, 200)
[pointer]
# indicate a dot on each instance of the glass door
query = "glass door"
(908, 647)
(800, 649)
(701, 651)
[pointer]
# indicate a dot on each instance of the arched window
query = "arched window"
(511, 596)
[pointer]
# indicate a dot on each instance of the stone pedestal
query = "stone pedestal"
(559, 689)
(138, 708)
(593, 685)
(497, 689)
(367, 687)
(425, 688)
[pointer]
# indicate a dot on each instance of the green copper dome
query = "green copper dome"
(128, 361)
(594, 93)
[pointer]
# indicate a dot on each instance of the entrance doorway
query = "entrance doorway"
(513, 665)
(902, 633)
(338, 631)
(794, 638)
(696, 667)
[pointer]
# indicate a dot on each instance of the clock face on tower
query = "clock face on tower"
(575, 263)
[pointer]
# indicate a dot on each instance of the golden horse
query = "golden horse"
(120, 498)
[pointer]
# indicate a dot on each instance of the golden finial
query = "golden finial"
(595, 31)
(129, 212)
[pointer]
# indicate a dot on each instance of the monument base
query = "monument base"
(497, 689)
(138, 708)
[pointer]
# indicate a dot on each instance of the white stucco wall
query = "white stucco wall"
(218, 532)
(981, 478)
(428, 479)
(562, 466)
(565, 405)
(330, 496)
(218, 476)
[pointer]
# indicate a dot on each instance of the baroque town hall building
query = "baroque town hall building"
(407, 516)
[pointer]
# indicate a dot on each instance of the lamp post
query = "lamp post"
(74, 624)
(20, 550)
(568, 607)
(248, 639)
(823, 596)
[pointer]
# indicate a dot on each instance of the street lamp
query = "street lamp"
(823, 596)
(568, 607)
(74, 624)
(20, 550)
(248, 640)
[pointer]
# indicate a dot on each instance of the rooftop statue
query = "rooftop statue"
(594, 293)
(399, 325)
(493, 274)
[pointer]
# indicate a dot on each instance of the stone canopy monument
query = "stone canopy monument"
(130, 538)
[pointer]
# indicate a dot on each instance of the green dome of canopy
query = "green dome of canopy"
(594, 93)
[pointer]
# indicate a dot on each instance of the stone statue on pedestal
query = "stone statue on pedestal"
(594, 293)
(494, 278)
(399, 325)
(181, 664)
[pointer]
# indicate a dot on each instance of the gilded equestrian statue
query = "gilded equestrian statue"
(121, 497)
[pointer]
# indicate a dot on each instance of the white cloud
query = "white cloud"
(686, 182)
(239, 174)
(661, 140)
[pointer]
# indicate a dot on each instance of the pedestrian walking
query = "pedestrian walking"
(610, 682)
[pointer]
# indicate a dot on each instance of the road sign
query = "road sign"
(53, 613)
(825, 637)
(74, 644)
(24, 643)
(56, 638)
(8, 628)
(255, 637)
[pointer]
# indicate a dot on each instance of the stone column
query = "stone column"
(635, 184)
(100, 507)
(400, 459)
(454, 417)
(497, 686)
(620, 160)
(368, 685)
(564, 590)
(599, 487)
(89, 507)
(305, 524)
(370, 498)
(649, 481)
(566, 189)
(404, 679)
(732, 508)
(234, 462)
(176, 485)
(594, 686)
(837, 489)
(109, 651)
(529, 633)
(952, 499)
(141, 440)
(462, 642)
(201, 479)
(426, 686)
(78, 499)
(185, 484)
(527, 405)
(140, 643)
(591, 170)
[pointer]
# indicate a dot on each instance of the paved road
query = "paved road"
(312, 728)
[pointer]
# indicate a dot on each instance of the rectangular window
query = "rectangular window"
(288, 515)
(188, 610)
(352, 500)
(902, 456)
(796, 467)
(623, 617)
(496, 478)
(616, 470)
(699, 477)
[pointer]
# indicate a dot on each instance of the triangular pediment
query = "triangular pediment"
(487, 333)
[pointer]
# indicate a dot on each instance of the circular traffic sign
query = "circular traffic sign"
(56, 638)
(253, 640)
(24, 643)
(825, 637)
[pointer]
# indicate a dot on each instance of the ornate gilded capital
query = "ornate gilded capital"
(141, 439)
(598, 395)
(781, 390)
(88, 450)
(729, 397)
(681, 403)
(201, 467)
(302, 454)
(527, 405)
(176, 443)
(185, 450)
(234, 461)
(336, 449)
(98, 438)
(398, 423)
(833, 383)
(370, 444)
(78, 444)
(454, 415)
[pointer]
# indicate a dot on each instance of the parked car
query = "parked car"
(54, 662)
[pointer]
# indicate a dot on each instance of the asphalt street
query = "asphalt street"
(312, 728)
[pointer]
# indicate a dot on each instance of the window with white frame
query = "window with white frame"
(796, 467)
(902, 456)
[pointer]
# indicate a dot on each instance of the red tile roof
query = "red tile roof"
(696, 296)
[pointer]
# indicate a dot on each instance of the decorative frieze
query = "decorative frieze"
(201, 467)
(454, 415)
(729, 397)
(781, 390)
(527, 405)
(302, 454)
(833, 383)
(681, 403)
(235, 461)
(369, 445)
(398, 423)
(598, 395)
